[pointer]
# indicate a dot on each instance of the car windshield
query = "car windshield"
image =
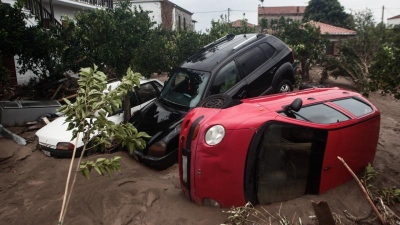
(185, 87)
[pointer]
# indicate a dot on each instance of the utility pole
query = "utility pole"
(383, 12)
(229, 13)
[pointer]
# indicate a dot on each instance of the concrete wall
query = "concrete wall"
(154, 7)
(183, 18)
(394, 22)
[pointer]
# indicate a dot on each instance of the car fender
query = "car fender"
(284, 68)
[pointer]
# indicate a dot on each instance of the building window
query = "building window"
(184, 23)
(179, 22)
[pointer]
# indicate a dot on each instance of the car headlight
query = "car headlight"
(157, 149)
(215, 134)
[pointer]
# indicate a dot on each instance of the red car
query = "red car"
(275, 148)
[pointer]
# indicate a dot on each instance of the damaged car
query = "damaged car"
(55, 139)
(283, 147)
(240, 66)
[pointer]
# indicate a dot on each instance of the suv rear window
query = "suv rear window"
(251, 60)
(354, 106)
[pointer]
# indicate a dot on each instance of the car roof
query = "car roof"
(310, 96)
(211, 55)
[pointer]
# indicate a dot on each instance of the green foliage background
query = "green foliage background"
(115, 39)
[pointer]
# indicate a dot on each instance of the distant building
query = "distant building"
(167, 14)
(238, 24)
(294, 13)
(335, 34)
(394, 20)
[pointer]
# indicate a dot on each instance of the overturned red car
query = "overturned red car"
(275, 148)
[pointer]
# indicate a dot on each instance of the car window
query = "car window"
(158, 85)
(226, 78)
(354, 106)
(146, 92)
(268, 49)
(319, 113)
(132, 98)
(251, 60)
(184, 88)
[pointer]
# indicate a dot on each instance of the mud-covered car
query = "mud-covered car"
(240, 66)
(55, 139)
(275, 148)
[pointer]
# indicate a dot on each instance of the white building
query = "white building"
(168, 14)
(393, 20)
(163, 12)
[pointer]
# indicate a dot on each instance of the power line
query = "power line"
(211, 11)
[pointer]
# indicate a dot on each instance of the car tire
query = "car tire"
(219, 101)
(284, 86)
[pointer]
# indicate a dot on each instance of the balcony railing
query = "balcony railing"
(102, 3)
(36, 8)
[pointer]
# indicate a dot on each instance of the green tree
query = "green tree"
(220, 28)
(357, 54)
(328, 11)
(12, 32)
(110, 37)
(263, 24)
(385, 70)
(306, 42)
(163, 49)
(87, 117)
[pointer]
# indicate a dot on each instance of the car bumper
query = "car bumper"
(159, 163)
(59, 153)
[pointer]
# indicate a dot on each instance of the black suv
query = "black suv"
(240, 66)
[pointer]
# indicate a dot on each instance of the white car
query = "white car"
(55, 140)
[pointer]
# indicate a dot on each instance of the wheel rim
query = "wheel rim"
(284, 88)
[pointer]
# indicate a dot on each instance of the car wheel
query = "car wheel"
(285, 86)
(219, 101)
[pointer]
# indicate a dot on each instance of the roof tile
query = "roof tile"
(332, 30)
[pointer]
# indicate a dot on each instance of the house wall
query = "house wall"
(153, 7)
(336, 40)
(183, 20)
(394, 22)
(277, 17)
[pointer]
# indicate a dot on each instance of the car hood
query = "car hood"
(157, 120)
(55, 132)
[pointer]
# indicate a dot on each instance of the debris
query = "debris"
(4, 132)
(45, 120)
(323, 213)
(364, 191)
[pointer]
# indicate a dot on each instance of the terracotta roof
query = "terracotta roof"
(394, 17)
(281, 10)
(238, 23)
(332, 30)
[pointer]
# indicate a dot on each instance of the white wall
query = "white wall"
(154, 7)
(394, 21)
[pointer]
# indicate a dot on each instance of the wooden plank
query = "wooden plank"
(323, 213)
(45, 120)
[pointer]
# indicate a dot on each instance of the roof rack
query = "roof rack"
(228, 37)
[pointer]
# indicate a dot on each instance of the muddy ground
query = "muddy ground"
(32, 186)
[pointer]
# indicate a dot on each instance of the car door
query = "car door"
(259, 68)
(226, 79)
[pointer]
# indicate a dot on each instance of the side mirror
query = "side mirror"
(294, 106)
